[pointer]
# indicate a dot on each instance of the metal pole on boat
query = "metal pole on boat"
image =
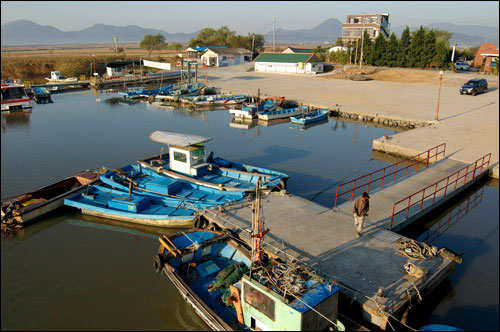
(130, 190)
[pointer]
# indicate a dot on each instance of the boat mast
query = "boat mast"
(257, 225)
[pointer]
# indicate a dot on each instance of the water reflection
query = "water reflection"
(14, 120)
(242, 123)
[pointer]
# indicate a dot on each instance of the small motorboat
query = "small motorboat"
(310, 117)
(186, 160)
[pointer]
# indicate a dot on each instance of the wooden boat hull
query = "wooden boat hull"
(37, 207)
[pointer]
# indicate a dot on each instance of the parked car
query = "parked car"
(474, 86)
(460, 65)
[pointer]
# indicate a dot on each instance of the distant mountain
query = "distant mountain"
(328, 31)
(25, 32)
(463, 35)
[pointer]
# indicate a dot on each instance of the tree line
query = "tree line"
(206, 37)
(423, 48)
(225, 37)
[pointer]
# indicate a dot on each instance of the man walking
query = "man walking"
(361, 207)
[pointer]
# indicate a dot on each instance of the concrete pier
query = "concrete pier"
(369, 269)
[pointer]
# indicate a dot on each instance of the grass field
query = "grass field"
(34, 63)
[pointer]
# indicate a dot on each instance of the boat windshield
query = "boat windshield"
(14, 93)
(198, 154)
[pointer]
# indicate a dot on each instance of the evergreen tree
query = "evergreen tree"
(429, 47)
(417, 54)
(367, 49)
(391, 53)
(379, 49)
(442, 56)
(404, 47)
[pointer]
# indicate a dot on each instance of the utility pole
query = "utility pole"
(274, 34)
(362, 42)
(115, 39)
(253, 42)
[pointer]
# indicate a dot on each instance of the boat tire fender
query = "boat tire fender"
(158, 263)
(283, 184)
(198, 223)
(213, 227)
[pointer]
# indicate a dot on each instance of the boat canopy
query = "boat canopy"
(177, 139)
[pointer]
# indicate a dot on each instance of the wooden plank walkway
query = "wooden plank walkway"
(326, 240)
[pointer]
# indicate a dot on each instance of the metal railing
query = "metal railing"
(388, 171)
(452, 180)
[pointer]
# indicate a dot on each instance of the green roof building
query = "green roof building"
(303, 50)
(296, 63)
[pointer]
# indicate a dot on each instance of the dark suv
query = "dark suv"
(474, 86)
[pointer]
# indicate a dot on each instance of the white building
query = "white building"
(221, 57)
(338, 48)
(302, 63)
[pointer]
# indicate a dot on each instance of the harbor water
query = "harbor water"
(73, 272)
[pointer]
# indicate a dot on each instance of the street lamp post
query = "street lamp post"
(439, 93)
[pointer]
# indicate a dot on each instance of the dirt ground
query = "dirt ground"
(401, 75)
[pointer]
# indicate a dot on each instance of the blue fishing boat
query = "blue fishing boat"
(252, 110)
(132, 92)
(110, 203)
(147, 182)
(41, 94)
(186, 160)
(310, 117)
(285, 113)
(154, 92)
(234, 286)
(177, 93)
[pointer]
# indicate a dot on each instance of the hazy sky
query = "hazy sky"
(242, 17)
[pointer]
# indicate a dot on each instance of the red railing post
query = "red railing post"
(418, 160)
(475, 167)
(382, 182)
(422, 203)
(466, 174)
(435, 191)
(446, 189)
(336, 196)
(369, 181)
(392, 217)
(427, 161)
(408, 208)
(353, 187)
(395, 173)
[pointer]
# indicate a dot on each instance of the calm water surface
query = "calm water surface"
(74, 272)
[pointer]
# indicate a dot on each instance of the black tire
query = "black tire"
(474, 93)
(158, 263)
(213, 227)
(198, 223)
(283, 183)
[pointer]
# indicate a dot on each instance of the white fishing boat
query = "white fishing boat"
(56, 77)
(14, 98)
